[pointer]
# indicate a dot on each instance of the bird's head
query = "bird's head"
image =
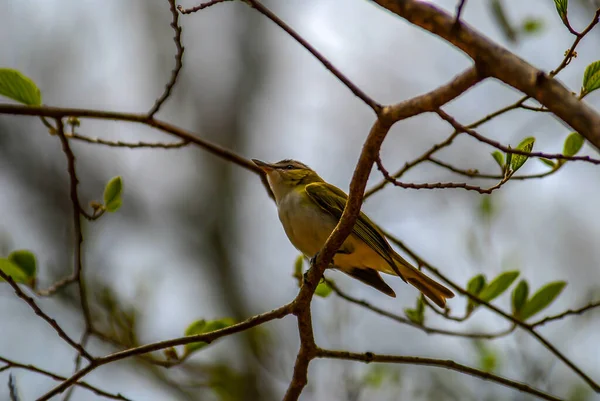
(287, 175)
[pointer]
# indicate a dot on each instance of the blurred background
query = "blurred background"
(198, 238)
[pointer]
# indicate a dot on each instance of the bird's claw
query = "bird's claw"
(313, 260)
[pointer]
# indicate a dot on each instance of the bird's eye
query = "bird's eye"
(289, 167)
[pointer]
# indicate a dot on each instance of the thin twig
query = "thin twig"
(178, 61)
(31, 302)
(200, 7)
(439, 185)
(131, 145)
(77, 211)
(456, 125)
(409, 165)
(527, 327)
(477, 174)
(566, 313)
(143, 349)
(16, 365)
(326, 63)
(369, 357)
(459, 9)
(403, 320)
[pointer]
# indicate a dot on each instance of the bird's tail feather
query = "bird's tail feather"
(426, 285)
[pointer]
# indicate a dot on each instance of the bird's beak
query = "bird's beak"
(266, 167)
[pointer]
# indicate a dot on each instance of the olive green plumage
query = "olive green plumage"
(309, 209)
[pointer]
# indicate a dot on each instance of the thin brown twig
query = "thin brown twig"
(326, 63)
(527, 327)
(38, 311)
(131, 145)
(459, 9)
(16, 365)
(178, 61)
(439, 185)
(409, 165)
(77, 211)
(200, 7)
(143, 349)
(369, 357)
(566, 313)
(402, 320)
(476, 174)
(456, 125)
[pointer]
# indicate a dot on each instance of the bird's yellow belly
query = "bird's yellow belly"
(308, 227)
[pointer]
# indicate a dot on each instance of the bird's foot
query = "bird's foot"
(313, 260)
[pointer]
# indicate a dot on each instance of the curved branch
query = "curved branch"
(369, 357)
(497, 62)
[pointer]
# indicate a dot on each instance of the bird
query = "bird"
(309, 208)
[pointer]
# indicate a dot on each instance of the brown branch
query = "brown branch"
(497, 62)
(143, 349)
(456, 125)
(439, 185)
(131, 145)
(477, 174)
(566, 313)
(31, 302)
(200, 7)
(77, 211)
(527, 327)
(388, 116)
(16, 365)
(326, 63)
(369, 357)
(178, 61)
(409, 165)
(403, 320)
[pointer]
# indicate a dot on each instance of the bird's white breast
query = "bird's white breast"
(307, 226)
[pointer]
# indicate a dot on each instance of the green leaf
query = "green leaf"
(499, 157)
(573, 144)
(526, 145)
(542, 298)
(416, 315)
(591, 78)
(13, 270)
(17, 86)
(25, 260)
(201, 327)
(519, 297)
(323, 289)
(498, 285)
(561, 7)
(532, 25)
(476, 284)
(298, 267)
(112, 194)
(548, 162)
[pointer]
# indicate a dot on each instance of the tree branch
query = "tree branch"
(369, 357)
(178, 61)
(497, 62)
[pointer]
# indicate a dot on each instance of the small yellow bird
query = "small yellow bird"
(310, 208)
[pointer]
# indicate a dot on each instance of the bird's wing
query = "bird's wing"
(332, 200)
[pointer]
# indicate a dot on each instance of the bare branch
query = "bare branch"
(16, 365)
(440, 185)
(403, 320)
(495, 61)
(369, 357)
(326, 63)
(30, 301)
(131, 145)
(456, 125)
(476, 174)
(200, 7)
(527, 327)
(143, 349)
(178, 61)
(566, 313)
